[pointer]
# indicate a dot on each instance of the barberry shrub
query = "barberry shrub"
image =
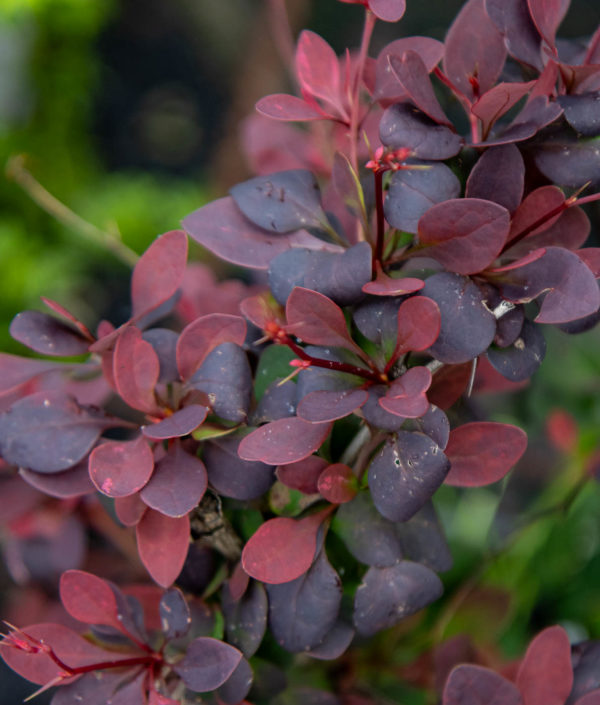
(275, 447)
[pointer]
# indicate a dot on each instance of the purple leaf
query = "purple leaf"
(316, 319)
(423, 541)
(318, 69)
(163, 543)
(403, 125)
(73, 482)
(468, 684)
(339, 276)
(498, 101)
(483, 452)
(303, 475)
(388, 595)
(547, 15)
(570, 231)
(278, 402)
(223, 230)
(406, 396)
(175, 615)
(201, 337)
(337, 483)
(246, 618)
(370, 538)
(284, 441)
(207, 664)
(90, 689)
(177, 484)
(321, 406)
(388, 10)
(519, 361)
(164, 343)
(47, 335)
(468, 327)
(48, 432)
(434, 423)
(282, 549)
(568, 161)
(225, 377)
(133, 692)
(387, 88)
(120, 468)
(481, 58)
(233, 477)
(302, 612)
(498, 176)
(15, 371)
(405, 474)
(374, 413)
(282, 202)
(158, 273)
(413, 192)
(513, 20)
(335, 643)
(135, 370)
(281, 106)
(581, 112)
(414, 77)
(466, 234)
(571, 287)
(545, 676)
(181, 423)
(238, 685)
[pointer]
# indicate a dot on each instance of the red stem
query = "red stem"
(102, 665)
(540, 221)
(355, 107)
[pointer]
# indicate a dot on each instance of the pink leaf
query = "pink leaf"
(465, 235)
(337, 483)
(318, 69)
(284, 441)
(545, 676)
(388, 10)
(163, 544)
(387, 88)
(204, 334)
(159, 272)
(414, 77)
(483, 452)
(547, 15)
(282, 549)
(281, 106)
(120, 468)
(406, 397)
(318, 320)
(89, 599)
(136, 370)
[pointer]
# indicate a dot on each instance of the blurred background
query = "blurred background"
(128, 112)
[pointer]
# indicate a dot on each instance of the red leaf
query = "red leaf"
(465, 235)
(474, 50)
(89, 599)
(178, 424)
(318, 69)
(412, 73)
(262, 309)
(406, 397)
(159, 272)
(318, 320)
(329, 405)
(419, 322)
(483, 452)
(203, 335)
(282, 549)
(136, 370)
(130, 509)
(62, 311)
(591, 257)
(534, 207)
(562, 431)
(547, 15)
(386, 286)
(337, 483)
(120, 468)
(284, 441)
(497, 101)
(163, 544)
(303, 475)
(281, 106)
(545, 676)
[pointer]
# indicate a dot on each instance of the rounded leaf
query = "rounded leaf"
(207, 664)
(120, 468)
